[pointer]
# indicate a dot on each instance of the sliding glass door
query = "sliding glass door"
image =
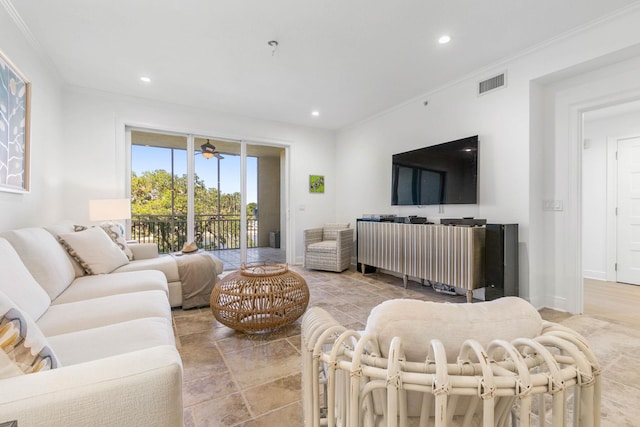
(224, 195)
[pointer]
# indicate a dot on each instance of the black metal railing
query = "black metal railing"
(212, 232)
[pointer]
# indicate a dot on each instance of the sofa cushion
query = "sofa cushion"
(110, 340)
(144, 250)
(23, 347)
(102, 285)
(330, 231)
(18, 283)
(418, 322)
(163, 263)
(45, 258)
(97, 312)
(116, 232)
(94, 250)
(62, 228)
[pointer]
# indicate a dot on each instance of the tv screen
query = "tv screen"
(437, 175)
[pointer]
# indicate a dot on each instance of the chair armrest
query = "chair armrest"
(140, 388)
(312, 235)
(344, 239)
(144, 250)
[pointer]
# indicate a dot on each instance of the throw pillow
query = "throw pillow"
(23, 348)
(330, 231)
(67, 227)
(116, 232)
(94, 250)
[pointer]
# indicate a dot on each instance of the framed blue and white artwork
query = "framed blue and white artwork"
(15, 91)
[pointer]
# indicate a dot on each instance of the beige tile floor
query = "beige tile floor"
(233, 379)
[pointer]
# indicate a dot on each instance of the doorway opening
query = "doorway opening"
(611, 231)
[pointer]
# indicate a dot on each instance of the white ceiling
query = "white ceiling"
(348, 59)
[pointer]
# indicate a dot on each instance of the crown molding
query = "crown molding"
(28, 35)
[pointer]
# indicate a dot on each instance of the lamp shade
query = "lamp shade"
(109, 209)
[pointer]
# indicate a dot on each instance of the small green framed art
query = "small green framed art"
(316, 183)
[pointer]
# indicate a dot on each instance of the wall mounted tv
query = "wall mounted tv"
(437, 175)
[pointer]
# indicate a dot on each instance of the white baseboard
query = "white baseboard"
(559, 303)
(595, 275)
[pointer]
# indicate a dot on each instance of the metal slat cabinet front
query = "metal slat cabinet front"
(441, 253)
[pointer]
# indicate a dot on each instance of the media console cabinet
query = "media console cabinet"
(463, 257)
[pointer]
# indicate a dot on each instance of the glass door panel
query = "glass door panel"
(264, 199)
(217, 199)
(159, 189)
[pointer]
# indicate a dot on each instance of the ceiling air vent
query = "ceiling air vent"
(492, 83)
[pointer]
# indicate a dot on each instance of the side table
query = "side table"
(259, 298)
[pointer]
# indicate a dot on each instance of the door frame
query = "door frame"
(123, 170)
(612, 203)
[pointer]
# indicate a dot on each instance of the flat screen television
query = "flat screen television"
(437, 175)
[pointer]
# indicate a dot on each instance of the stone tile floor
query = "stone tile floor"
(232, 258)
(234, 379)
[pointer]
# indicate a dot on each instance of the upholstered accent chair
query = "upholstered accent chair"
(328, 248)
(421, 363)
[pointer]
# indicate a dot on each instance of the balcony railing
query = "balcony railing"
(212, 232)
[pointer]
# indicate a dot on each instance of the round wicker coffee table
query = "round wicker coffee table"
(260, 298)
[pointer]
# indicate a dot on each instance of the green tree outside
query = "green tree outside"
(161, 207)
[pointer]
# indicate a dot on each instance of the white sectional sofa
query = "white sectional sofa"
(91, 350)
(145, 256)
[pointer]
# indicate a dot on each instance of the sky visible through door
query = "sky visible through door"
(144, 158)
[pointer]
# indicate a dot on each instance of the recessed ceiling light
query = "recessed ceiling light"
(145, 79)
(444, 39)
(315, 113)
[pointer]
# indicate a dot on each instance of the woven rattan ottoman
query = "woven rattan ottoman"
(260, 298)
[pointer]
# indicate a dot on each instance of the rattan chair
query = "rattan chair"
(328, 248)
(375, 378)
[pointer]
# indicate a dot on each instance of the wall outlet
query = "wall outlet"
(552, 205)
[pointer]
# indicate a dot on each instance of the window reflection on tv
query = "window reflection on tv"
(437, 175)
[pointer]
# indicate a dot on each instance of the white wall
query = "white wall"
(365, 150)
(517, 170)
(44, 201)
(594, 183)
(95, 160)
(566, 100)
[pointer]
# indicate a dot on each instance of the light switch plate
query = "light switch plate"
(552, 205)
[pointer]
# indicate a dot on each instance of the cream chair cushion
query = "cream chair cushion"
(326, 246)
(418, 322)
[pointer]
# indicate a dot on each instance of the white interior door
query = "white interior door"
(628, 212)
